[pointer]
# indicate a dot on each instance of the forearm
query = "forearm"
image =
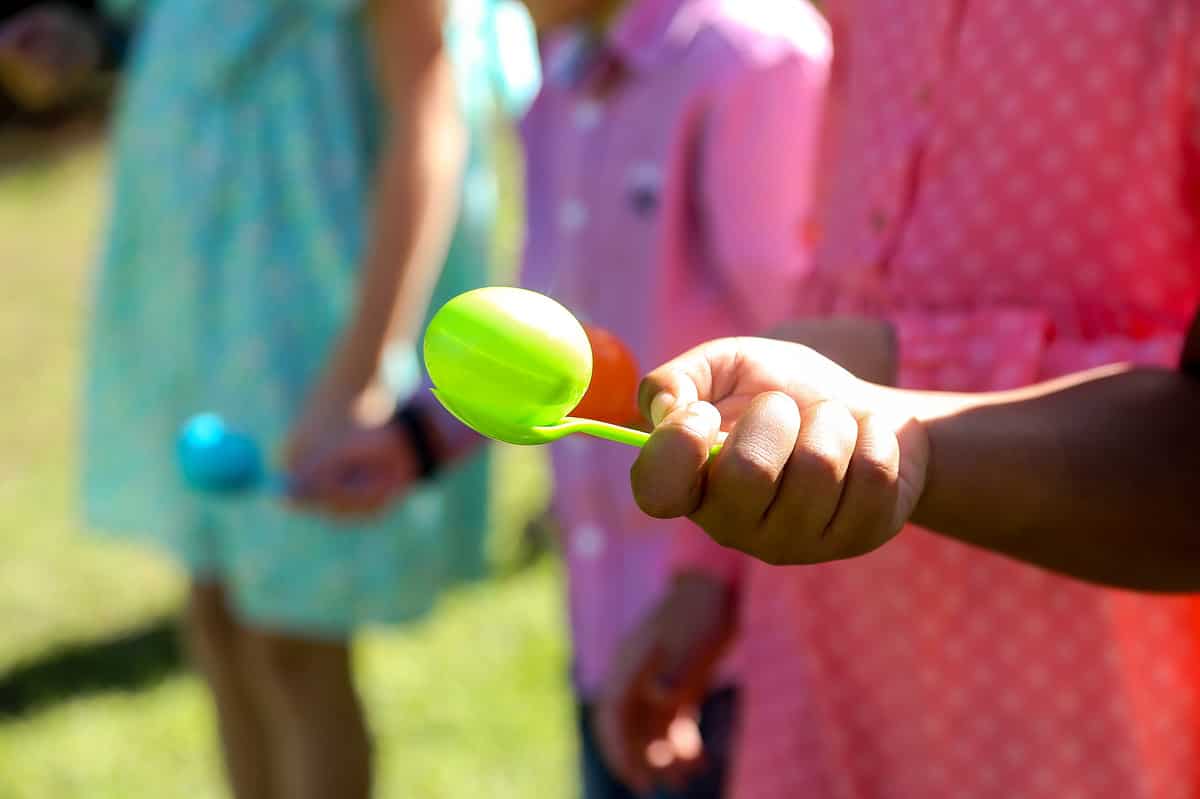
(1095, 476)
(416, 200)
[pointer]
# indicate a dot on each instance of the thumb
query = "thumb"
(668, 475)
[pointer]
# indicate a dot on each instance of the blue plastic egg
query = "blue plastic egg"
(215, 459)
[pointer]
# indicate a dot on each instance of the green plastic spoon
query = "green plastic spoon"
(511, 364)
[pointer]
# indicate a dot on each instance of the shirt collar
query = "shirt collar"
(644, 34)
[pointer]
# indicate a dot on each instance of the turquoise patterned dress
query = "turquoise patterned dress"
(243, 158)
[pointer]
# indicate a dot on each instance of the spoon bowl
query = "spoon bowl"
(516, 352)
(511, 364)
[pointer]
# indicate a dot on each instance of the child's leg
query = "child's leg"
(315, 722)
(214, 638)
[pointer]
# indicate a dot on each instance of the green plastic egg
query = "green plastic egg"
(515, 354)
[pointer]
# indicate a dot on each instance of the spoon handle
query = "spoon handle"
(627, 435)
(613, 432)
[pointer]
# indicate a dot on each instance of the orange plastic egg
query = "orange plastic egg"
(612, 394)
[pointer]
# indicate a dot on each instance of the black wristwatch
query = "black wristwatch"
(410, 421)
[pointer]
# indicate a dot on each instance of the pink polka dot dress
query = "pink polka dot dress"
(1015, 185)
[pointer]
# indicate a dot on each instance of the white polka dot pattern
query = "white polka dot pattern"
(1017, 188)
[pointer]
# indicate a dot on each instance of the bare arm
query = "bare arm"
(1097, 476)
(415, 202)
(416, 191)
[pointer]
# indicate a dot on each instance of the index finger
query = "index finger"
(690, 377)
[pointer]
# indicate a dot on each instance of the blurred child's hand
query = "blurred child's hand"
(46, 53)
(644, 724)
(816, 466)
(323, 425)
(360, 474)
(337, 407)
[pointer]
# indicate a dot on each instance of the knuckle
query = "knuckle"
(835, 422)
(834, 413)
(745, 467)
(688, 432)
(818, 465)
(877, 474)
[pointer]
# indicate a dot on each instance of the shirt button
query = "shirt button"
(586, 114)
(587, 542)
(878, 219)
(572, 216)
(924, 94)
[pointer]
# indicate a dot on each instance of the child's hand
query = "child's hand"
(323, 425)
(337, 406)
(359, 475)
(643, 725)
(815, 467)
(342, 459)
